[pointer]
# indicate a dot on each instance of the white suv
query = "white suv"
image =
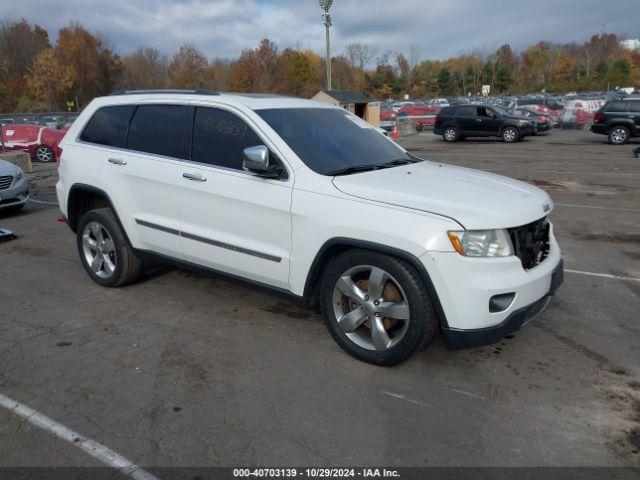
(310, 200)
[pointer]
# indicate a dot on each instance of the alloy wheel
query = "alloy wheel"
(44, 154)
(450, 134)
(99, 250)
(370, 308)
(619, 135)
(509, 135)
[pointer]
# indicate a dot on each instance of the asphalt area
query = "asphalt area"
(185, 370)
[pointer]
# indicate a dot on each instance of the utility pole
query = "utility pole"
(326, 17)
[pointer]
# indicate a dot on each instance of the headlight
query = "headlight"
(20, 174)
(482, 243)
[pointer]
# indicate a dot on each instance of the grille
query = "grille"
(531, 242)
(5, 182)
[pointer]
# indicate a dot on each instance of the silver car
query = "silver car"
(14, 186)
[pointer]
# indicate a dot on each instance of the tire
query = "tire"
(619, 135)
(351, 319)
(99, 237)
(450, 134)
(44, 154)
(510, 134)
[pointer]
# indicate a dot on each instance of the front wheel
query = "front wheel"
(510, 135)
(105, 252)
(619, 135)
(376, 307)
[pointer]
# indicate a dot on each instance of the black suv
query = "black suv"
(619, 119)
(461, 121)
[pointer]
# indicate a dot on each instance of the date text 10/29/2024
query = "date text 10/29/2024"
(315, 473)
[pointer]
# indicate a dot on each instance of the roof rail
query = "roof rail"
(197, 91)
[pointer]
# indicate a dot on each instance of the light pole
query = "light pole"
(326, 17)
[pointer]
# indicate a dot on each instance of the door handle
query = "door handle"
(117, 161)
(478, 119)
(196, 177)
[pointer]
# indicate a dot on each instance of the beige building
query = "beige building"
(355, 102)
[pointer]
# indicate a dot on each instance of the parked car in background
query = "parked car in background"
(462, 121)
(52, 122)
(14, 187)
(551, 103)
(619, 120)
(542, 122)
(313, 202)
(441, 102)
(42, 143)
(6, 121)
(580, 113)
(69, 121)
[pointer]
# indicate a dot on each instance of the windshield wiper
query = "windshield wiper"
(396, 163)
(353, 169)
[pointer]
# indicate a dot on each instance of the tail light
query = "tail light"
(58, 156)
(543, 118)
(598, 118)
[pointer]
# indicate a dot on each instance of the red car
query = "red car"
(424, 115)
(40, 142)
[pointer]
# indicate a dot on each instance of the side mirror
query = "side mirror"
(256, 160)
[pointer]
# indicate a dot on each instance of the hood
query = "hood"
(474, 199)
(7, 168)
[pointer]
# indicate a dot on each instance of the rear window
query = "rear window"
(157, 129)
(466, 111)
(108, 126)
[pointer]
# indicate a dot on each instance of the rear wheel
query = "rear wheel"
(105, 252)
(619, 135)
(450, 134)
(376, 307)
(44, 154)
(510, 135)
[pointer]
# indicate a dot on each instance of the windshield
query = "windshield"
(329, 140)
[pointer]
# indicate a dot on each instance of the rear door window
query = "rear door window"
(157, 129)
(219, 137)
(466, 112)
(108, 126)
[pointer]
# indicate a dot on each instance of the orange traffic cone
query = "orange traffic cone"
(395, 131)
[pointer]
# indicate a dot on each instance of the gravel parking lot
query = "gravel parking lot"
(183, 370)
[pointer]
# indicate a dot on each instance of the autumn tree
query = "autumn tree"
(20, 44)
(95, 69)
(266, 57)
(146, 68)
(217, 74)
(444, 82)
(360, 54)
(49, 81)
(187, 68)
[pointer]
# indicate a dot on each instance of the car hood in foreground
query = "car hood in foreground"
(475, 199)
(7, 168)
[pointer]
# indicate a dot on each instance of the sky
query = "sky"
(439, 29)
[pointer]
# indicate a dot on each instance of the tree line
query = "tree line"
(39, 75)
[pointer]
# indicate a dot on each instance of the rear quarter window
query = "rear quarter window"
(615, 107)
(108, 126)
(634, 106)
